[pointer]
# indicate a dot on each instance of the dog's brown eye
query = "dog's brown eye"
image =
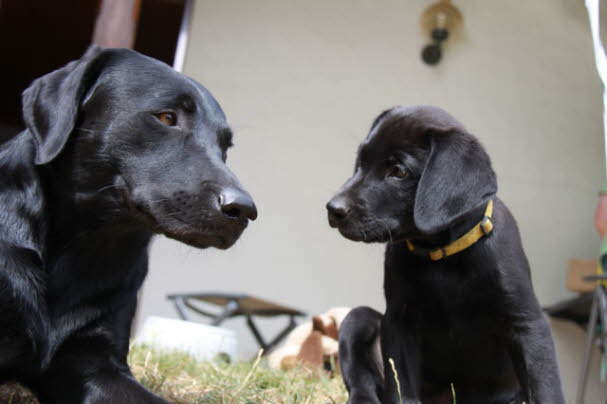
(167, 118)
(396, 171)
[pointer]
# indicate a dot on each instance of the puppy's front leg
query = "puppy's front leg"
(534, 360)
(399, 349)
(360, 356)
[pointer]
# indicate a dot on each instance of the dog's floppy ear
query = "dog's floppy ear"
(457, 178)
(51, 103)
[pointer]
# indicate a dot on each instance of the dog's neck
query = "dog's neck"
(81, 217)
(453, 232)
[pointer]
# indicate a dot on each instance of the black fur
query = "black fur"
(471, 319)
(83, 189)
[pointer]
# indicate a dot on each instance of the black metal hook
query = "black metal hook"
(432, 53)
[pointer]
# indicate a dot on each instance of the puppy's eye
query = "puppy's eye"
(167, 118)
(396, 171)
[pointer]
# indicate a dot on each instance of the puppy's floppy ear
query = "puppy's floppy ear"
(457, 178)
(51, 103)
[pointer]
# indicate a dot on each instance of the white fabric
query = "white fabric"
(600, 59)
(202, 341)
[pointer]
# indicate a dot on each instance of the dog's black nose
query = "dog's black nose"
(338, 210)
(237, 204)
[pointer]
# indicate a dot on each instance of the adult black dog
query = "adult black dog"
(460, 307)
(118, 147)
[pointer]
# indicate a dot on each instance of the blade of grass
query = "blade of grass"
(246, 379)
(400, 397)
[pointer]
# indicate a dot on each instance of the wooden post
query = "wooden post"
(116, 24)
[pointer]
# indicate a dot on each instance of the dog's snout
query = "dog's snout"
(338, 210)
(237, 204)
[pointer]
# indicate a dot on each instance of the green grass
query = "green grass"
(15, 394)
(183, 380)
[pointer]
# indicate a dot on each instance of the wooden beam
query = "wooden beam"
(116, 24)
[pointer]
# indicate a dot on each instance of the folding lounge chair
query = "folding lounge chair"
(234, 305)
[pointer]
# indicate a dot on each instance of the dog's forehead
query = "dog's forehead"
(425, 118)
(408, 126)
(206, 98)
(144, 81)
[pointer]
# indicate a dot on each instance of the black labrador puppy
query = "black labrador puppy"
(460, 307)
(118, 147)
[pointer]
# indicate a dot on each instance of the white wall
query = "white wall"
(301, 82)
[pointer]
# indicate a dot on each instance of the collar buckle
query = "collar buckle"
(486, 225)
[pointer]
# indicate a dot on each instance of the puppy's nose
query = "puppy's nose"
(338, 210)
(237, 204)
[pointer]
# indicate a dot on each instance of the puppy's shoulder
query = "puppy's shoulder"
(505, 227)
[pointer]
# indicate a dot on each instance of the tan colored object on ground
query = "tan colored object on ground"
(578, 269)
(313, 344)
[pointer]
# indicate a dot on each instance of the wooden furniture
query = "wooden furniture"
(234, 305)
(588, 310)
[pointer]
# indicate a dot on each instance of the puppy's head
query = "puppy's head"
(134, 139)
(417, 173)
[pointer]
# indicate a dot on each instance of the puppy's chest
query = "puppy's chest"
(429, 292)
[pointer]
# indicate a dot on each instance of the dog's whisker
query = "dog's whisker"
(172, 214)
(239, 128)
(160, 200)
(387, 228)
(86, 130)
(108, 187)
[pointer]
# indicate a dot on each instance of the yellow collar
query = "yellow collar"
(483, 228)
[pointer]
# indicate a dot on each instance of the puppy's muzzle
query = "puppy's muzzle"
(338, 210)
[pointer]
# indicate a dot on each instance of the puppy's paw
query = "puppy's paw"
(362, 397)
